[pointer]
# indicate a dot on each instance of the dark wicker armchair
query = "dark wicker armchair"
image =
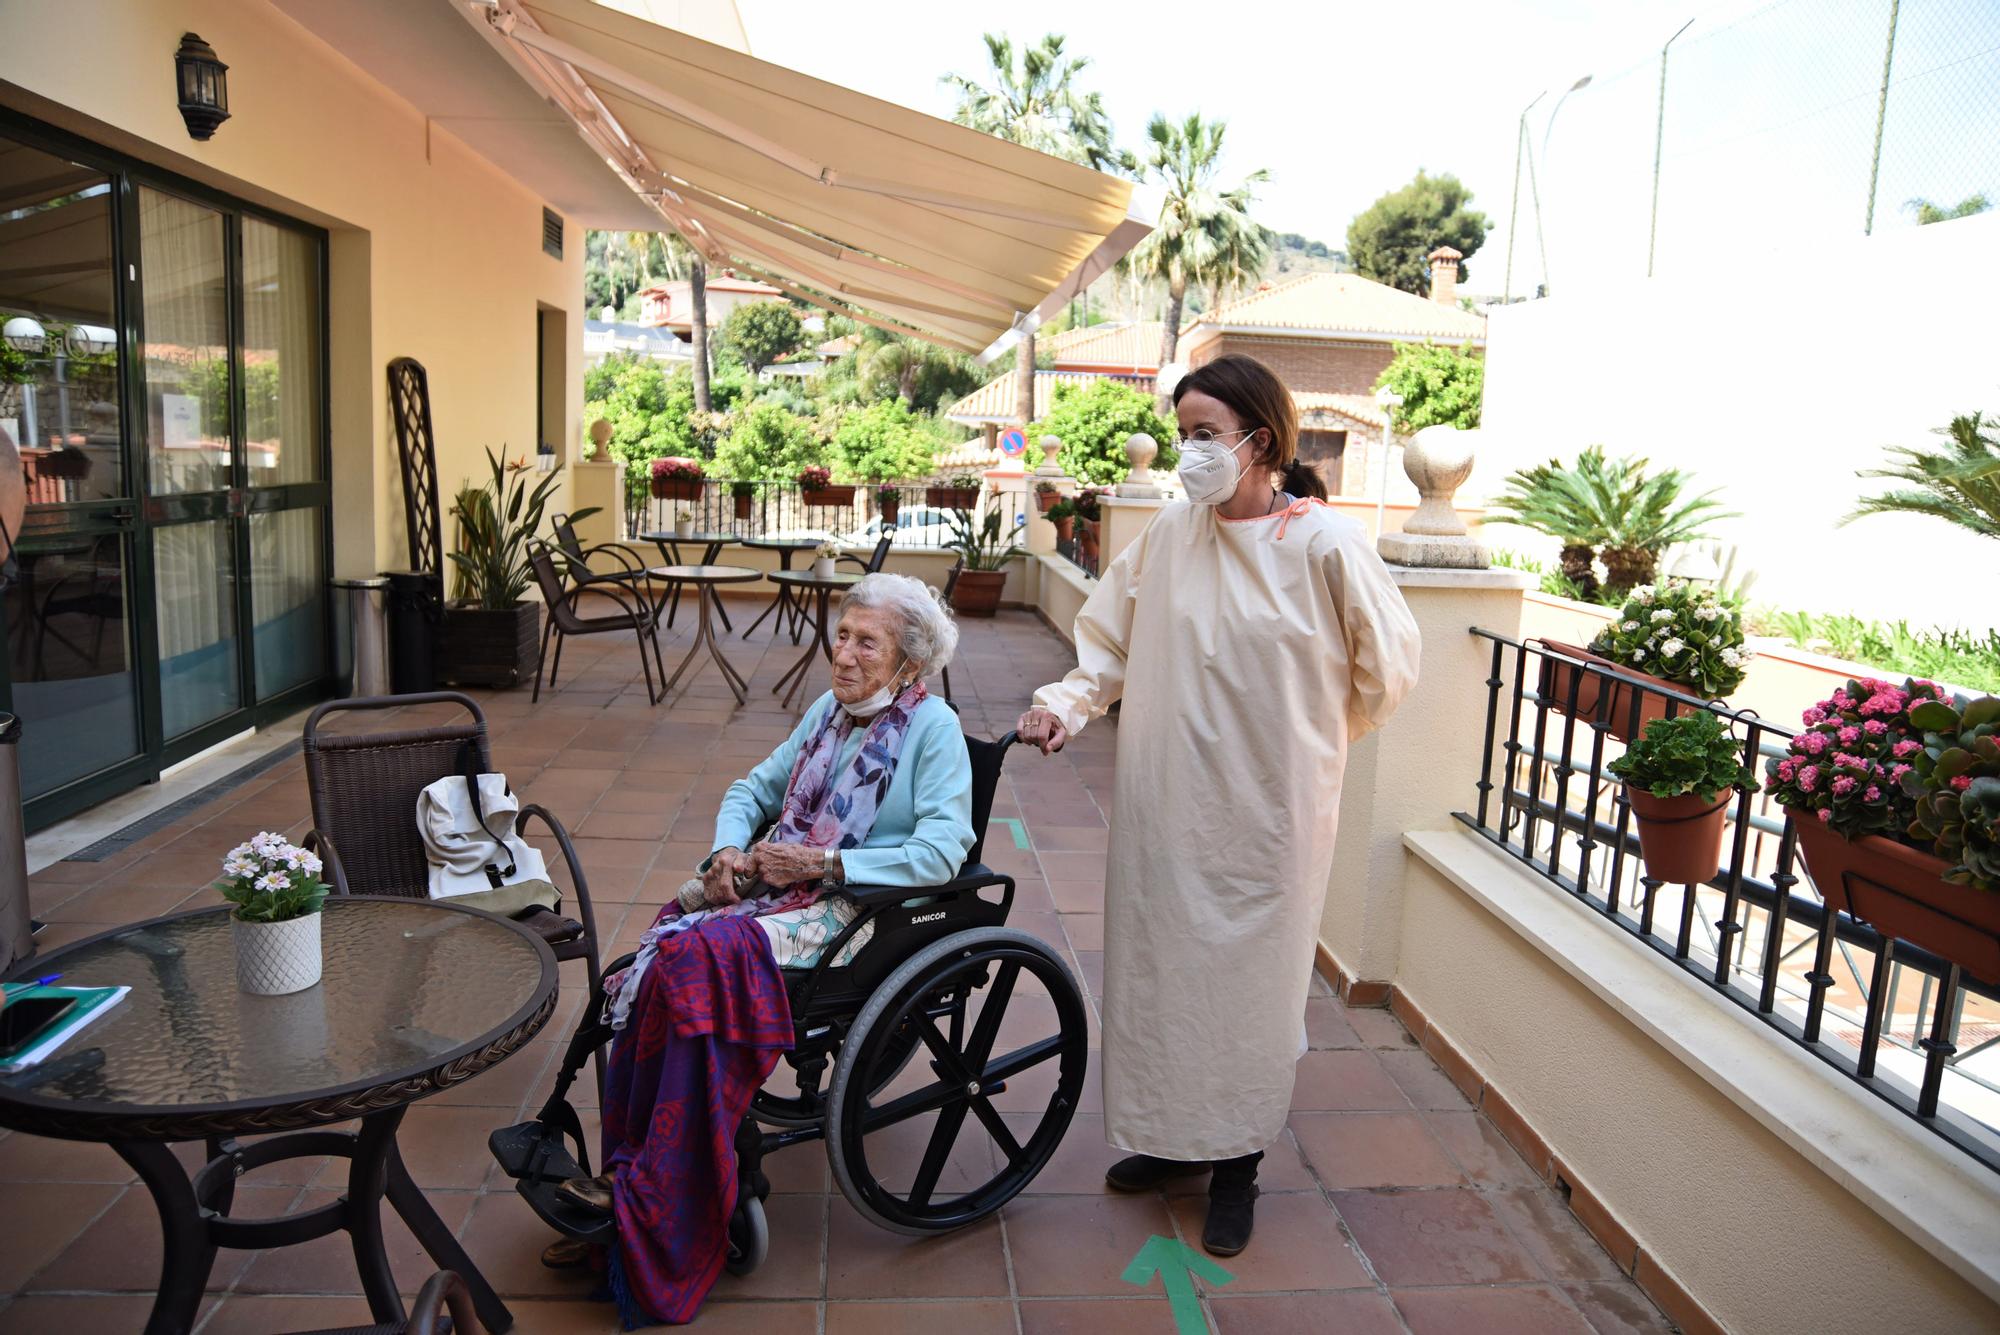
(364, 786)
(565, 619)
(629, 569)
(873, 564)
(443, 1292)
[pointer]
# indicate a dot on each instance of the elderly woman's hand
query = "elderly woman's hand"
(787, 864)
(718, 883)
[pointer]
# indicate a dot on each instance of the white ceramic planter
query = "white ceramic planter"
(823, 567)
(276, 958)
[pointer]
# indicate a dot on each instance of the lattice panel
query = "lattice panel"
(416, 446)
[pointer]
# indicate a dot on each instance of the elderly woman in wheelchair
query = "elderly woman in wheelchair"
(801, 936)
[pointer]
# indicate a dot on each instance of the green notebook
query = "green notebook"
(86, 1004)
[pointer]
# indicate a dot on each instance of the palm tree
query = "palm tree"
(684, 261)
(1608, 508)
(1035, 102)
(1928, 212)
(1960, 485)
(1205, 234)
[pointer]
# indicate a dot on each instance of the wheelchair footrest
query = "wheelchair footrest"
(564, 1215)
(517, 1147)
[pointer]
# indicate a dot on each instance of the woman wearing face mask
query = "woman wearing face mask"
(1253, 635)
(874, 787)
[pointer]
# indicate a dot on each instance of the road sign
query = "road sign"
(1014, 443)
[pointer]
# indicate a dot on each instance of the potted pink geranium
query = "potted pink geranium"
(677, 479)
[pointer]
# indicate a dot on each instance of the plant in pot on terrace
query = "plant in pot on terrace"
(1063, 515)
(677, 479)
(488, 634)
(1676, 634)
(1679, 777)
(277, 892)
(816, 487)
(824, 558)
(954, 493)
(1046, 495)
(743, 494)
(1871, 795)
(983, 552)
(888, 501)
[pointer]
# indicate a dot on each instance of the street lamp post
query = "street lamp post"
(1541, 238)
(1514, 209)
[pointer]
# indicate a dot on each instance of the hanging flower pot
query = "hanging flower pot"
(1901, 891)
(1598, 696)
(889, 502)
(677, 480)
(1086, 539)
(1046, 498)
(952, 497)
(1680, 777)
(743, 503)
(1681, 837)
(1066, 528)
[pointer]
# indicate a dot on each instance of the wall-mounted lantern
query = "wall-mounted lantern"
(204, 86)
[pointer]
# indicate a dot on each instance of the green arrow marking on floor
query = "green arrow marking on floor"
(1176, 1264)
(1020, 834)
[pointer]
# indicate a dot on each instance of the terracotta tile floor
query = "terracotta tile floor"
(1390, 1205)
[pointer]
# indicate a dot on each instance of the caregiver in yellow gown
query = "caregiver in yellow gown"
(1253, 635)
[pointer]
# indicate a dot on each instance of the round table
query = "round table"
(706, 578)
(822, 588)
(415, 996)
(669, 543)
(786, 604)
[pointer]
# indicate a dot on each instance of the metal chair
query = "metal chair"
(873, 565)
(944, 596)
(443, 1292)
(565, 619)
(363, 789)
(631, 569)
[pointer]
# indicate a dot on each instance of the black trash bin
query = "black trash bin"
(416, 610)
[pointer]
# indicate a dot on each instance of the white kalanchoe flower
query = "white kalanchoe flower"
(1628, 625)
(240, 851)
(1638, 655)
(1662, 615)
(1673, 646)
(309, 864)
(1731, 658)
(1643, 597)
(1707, 612)
(274, 880)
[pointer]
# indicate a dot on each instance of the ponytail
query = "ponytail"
(1303, 480)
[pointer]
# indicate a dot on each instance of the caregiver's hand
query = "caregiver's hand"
(1041, 729)
(787, 864)
(718, 883)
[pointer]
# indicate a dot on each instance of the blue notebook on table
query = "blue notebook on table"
(78, 1007)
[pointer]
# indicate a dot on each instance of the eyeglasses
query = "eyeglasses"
(1207, 437)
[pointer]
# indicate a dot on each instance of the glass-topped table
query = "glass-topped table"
(669, 542)
(822, 588)
(414, 997)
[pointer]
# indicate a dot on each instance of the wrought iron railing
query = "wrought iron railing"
(1080, 550)
(784, 509)
(1757, 931)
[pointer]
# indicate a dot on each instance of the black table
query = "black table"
(786, 604)
(669, 544)
(706, 578)
(415, 997)
(822, 588)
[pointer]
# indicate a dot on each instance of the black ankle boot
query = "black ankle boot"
(1143, 1172)
(1232, 1205)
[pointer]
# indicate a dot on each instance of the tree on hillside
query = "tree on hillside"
(761, 332)
(1927, 212)
(1205, 234)
(1388, 240)
(1035, 102)
(1093, 419)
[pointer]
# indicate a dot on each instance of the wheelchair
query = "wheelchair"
(899, 1056)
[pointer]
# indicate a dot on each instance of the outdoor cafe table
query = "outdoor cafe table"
(822, 588)
(669, 543)
(415, 996)
(705, 578)
(786, 604)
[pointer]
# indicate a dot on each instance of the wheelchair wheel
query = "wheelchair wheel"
(749, 1236)
(940, 1155)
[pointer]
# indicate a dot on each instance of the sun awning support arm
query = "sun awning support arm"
(518, 28)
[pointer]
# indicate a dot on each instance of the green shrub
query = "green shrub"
(1093, 422)
(767, 442)
(884, 441)
(1440, 386)
(1691, 753)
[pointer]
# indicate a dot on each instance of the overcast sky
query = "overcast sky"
(1772, 105)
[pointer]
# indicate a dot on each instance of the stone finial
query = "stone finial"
(600, 437)
(1140, 451)
(1438, 460)
(1051, 446)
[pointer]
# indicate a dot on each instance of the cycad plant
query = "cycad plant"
(1545, 498)
(1960, 484)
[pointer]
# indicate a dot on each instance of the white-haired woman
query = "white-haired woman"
(873, 787)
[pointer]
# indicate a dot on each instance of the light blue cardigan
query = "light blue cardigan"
(923, 828)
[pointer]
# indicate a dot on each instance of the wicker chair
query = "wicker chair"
(631, 570)
(363, 788)
(873, 565)
(564, 619)
(442, 1292)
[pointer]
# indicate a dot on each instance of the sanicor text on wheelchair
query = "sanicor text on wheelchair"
(903, 1054)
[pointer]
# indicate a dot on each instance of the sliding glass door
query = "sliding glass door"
(172, 582)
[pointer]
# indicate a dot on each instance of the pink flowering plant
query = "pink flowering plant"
(1955, 781)
(678, 470)
(1681, 632)
(270, 880)
(1847, 769)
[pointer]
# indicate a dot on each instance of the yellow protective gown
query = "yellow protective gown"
(1249, 654)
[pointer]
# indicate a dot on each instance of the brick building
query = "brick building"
(1329, 336)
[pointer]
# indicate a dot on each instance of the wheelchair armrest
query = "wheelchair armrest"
(881, 896)
(336, 875)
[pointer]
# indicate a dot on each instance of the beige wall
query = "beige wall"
(435, 254)
(1768, 1243)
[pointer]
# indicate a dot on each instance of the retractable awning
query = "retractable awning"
(860, 206)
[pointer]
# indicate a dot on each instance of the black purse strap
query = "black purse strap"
(468, 764)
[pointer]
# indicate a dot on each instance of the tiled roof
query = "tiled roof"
(839, 347)
(1340, 303)
(1125, 344)
(996, 400)
(1358, 406)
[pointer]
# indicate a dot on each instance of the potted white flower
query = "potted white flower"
(684, 521)
(277, 892)
(824, 558)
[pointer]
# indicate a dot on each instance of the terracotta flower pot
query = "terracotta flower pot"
(1046, 499)
(1086, 539)
(1599, 697)
(977, 593)
(952, 498)
(1903, 893)
(1065, 528)
(827, 495)
(890, 509)
(1681, 837)
(743, 507)
(677, 488)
